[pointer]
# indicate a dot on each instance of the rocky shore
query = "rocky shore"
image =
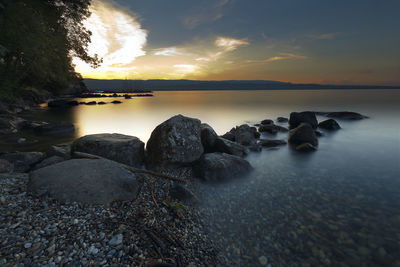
(111, 200)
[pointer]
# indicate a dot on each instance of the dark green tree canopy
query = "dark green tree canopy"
(38, 39)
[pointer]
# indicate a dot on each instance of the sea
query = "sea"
(338, 206)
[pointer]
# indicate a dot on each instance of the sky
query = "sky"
(300, 41)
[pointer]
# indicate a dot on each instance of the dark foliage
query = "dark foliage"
(38, 39)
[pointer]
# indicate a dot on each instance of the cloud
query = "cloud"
(323, 36)
(230, 44)
(185, 67)
(204, 13)
(168, 51)
(117, 36)
(284, 56)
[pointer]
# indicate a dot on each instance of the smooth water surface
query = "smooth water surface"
(339, 206)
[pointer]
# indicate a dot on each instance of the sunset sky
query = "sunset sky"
(310, 41)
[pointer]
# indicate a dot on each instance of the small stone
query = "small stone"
(27, 245)
(263, 260)
(116, 240)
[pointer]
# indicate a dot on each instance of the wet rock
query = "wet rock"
(255, 147)
(91, 103)
(97, 181)
(282, 119)
(318, 133)
(101, 103)
(304, 133)
(118, 147)
(55, 128)
(63, 151)
(306, 147)
(58, 103)
(6, 166)
(208, 137)
(329, 124)
(230, 135)
(116, 102)
(272, 143)
(180, 192)
(267, 122)
(346, 115)
(127, 96)
(48, 161)
(229, 147)
(23, 161)
(296, 118)
(246, 135)
(221, 166)
(272, 129)
(73, 103)
(175, 141)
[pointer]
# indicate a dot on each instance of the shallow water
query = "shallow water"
(338, 206)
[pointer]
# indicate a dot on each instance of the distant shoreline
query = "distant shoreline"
(193, 85)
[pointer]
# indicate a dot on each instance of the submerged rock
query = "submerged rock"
(296, 118)
(175, 141)
(97, 181)
(306, 147)
(330, 124)
(267, 122)
(221, 166)
(118, 147)
(272, 129)
(304, 133)
(272, 143)
(91, 103)
(346, 115)
(282, 119)
(55, 128)
(23, 161)
(116, 102)
(229, 147)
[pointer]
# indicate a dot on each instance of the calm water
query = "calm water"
(339, 206)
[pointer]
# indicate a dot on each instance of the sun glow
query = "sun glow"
(117, 37)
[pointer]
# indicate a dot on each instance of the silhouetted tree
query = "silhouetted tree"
(38, 39)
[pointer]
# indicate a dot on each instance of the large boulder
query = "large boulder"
(118, 147)
(329, 124)
(346, 115)
(95, 181)
(296, 118)
(23, 161)
(55, 128)
(304, 133)
(175, 141)
(208, 137)
(221, 166)
(230, 135)
(229, 147)
(246, 135)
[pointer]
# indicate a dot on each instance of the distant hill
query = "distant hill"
(192, 85)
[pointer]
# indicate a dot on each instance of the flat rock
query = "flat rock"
(95, 181)
(346, 115)
(304, 133)
(55, 128)
(118, 147)
(329, 124)
(175, 141)
(23, 161)
(229, 147)
(221, 166)
(296, 118)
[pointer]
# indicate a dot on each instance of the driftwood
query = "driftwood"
(130, 168)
